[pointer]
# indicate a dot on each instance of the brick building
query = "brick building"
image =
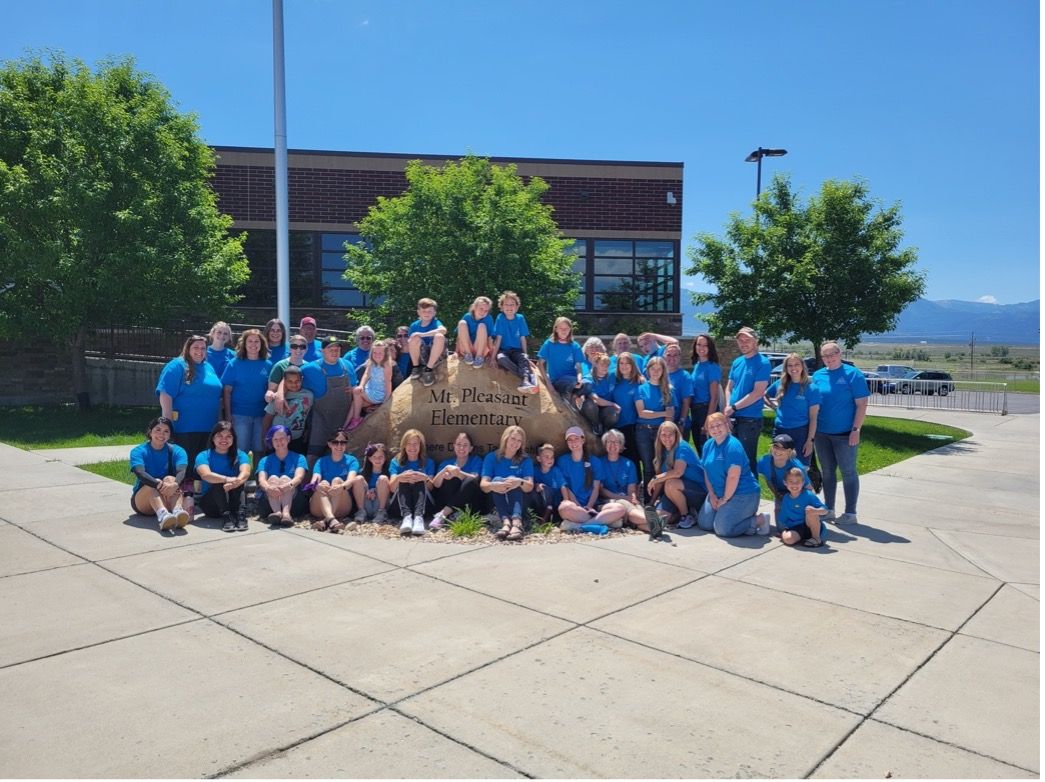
(625, 219)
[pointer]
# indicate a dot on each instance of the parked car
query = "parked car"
(811, 367)
(926, 381)
(877, 384)
(894, 370)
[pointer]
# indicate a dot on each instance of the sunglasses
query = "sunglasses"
(298, 347)
(337, 442)
(366, 339)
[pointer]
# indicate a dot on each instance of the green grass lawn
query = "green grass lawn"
(64, 426)
(117, 470)
(1024, 386)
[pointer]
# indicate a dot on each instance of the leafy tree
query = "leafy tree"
(106, 213)
(831, 269)
(467, 229)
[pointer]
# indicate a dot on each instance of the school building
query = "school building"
(625, 219)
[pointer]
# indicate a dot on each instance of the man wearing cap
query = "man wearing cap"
(307, 329)
(330, 379)
(748, 380)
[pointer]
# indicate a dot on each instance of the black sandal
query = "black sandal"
(502, 533)
(517, 530)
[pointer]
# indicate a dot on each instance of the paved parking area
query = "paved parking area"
(908, 646)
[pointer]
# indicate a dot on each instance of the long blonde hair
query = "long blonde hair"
(421, 451)
(663, 459)
(665, 384)
(555, 329)
(508, 432)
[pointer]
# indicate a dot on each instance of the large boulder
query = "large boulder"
(481, 402)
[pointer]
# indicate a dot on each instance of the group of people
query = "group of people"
(281, 409)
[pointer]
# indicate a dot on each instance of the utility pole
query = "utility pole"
(972, 352)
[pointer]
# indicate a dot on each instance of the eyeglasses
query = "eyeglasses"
(338, 442)
(366, 339)
(298, 347)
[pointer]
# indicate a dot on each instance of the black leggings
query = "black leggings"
(457, 493)
(410, 498)
(217, 502)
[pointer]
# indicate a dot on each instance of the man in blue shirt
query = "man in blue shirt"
(748, 380)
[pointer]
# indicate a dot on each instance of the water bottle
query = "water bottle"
(595, 529)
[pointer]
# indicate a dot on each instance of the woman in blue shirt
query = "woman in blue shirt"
(281, 475)
(677, 477)
(333, 477)
(276, 339)
(626, 386)
(707, 387)
(409, 475)
(159, 468)
(219, 354)
(797, 403)
(843, 405)
(455, 484)
(580, 493)
(190, 395)
(244, 383)
(619, 490)
(508, 478)
(224, 469)
(731, 508)
(655, 403)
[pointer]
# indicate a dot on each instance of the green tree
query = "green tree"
(106, 212)
(466, 229)
(830, 269)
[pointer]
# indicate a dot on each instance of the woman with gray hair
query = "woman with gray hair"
(591, 348)
(618, 491)
(360, 354)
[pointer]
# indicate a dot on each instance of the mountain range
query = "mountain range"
(944, 321)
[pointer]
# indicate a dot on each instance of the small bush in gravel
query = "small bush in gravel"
(467, 524)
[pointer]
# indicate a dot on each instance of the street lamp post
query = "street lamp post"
(756, 157)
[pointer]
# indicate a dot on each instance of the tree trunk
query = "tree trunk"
(81, 388)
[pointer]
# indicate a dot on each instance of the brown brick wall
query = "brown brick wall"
(339, 196)
(37, 376)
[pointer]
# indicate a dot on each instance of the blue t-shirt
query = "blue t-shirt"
(357, 356)
(473, 325)
(839, 389)
(618, 475)
(328, 469)
(511, 331)
(562, 358)
(744, 373)
(553, 479)
(197, 404)
(793, 509)
(653, 401)
(219, 359)
(683, 451)
(624, 394)
(249, 380)
(682, 382)
(494, 467)
(371, 482)
(575, 475)
(159, 464)
(417, 328)
(716, 461)
(404, 363)
(315, 373)
(793, 410)
(314, 351)
(603, 387)
(220, 463)
(278, 352)
(473, 465)
(645, 357)
(704, 374)
(775, 475)
(273, 466)
(423, 464)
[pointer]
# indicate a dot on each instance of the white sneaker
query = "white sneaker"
(687, 522)
(437, 521)
(183, 517)
(419, 525)
(166, 519)
(525, 387)
(407, 526)
(762, 524)
(468, 358)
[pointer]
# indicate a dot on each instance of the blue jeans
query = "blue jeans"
(248, 433)
(733, 519)
(799, 435)
(747, 431)
(695, 494)
(835, 452)
(509, 505)
(646, 442)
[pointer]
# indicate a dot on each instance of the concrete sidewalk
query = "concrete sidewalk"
(909, 645)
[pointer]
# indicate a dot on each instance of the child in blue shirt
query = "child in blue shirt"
(548, 482)
(563, 361)
(475, 333)
(598, 407)
(509, 345)
(774, 466)
(370, 489)
(800, 512)
(426, 340)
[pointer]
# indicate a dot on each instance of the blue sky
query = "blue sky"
(934, 103)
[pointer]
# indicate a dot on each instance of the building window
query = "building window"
(633, 275)
(579, 251)
(335, 290)
(260, 249)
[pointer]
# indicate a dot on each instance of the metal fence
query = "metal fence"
(963, 395)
